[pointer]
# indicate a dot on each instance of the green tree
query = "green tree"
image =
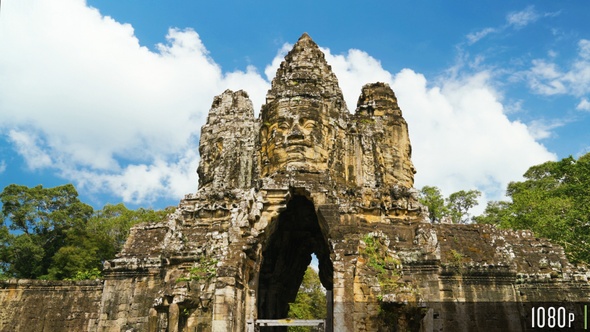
(40, 219)
(48, 233)
(433, 199)
(456, 206)
(459, 204)
(310, 302)
(100, 240)
(554, 202)
(113, 222)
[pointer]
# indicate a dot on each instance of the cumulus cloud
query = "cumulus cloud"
(461, 136)
(106, 108)
(82, 97)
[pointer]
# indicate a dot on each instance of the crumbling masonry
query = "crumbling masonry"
(309, 177)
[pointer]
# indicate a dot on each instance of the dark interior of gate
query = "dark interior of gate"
(286, 257)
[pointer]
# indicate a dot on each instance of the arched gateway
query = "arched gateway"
(286, 256)
(309, 177)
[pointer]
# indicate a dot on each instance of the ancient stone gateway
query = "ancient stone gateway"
(309, 177)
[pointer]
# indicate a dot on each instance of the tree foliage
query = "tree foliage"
(310, 302)
(41, 220)
(553, 202)
(459, 204)
(432, 198)
(48, 233)
(455, 207)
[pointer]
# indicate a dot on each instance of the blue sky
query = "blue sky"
(111, 95)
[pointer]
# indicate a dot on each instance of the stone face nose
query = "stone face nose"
(295, 133)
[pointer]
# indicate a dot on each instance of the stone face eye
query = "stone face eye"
(283, 125)
(309, 124)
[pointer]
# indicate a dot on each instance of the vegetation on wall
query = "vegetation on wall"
(378, 259)
(203, 270)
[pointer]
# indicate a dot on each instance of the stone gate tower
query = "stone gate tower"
(309, 177)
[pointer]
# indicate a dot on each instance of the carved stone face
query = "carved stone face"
(294, 137)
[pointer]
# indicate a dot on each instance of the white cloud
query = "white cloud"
(584, 49)
(514, 20)
(474, 37)
(461, 136)
(522, 18)
(541, 129)
(107, 108)
(2, 166)
(80, 95)
(27, 145)
(584, 105)
(140, 183)
(355, 69)
(546, 78)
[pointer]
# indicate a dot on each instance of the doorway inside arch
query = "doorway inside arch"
(286, 257)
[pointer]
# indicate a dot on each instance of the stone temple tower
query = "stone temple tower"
(309, 177)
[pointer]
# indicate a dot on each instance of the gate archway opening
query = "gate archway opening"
(286, 257)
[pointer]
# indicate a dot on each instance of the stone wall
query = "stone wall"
(37, 305)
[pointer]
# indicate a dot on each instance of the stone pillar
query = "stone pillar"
(343, 295)
(223, 309)
(173, 316)
(153, 320)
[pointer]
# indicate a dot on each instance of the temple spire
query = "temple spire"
(305, 72)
